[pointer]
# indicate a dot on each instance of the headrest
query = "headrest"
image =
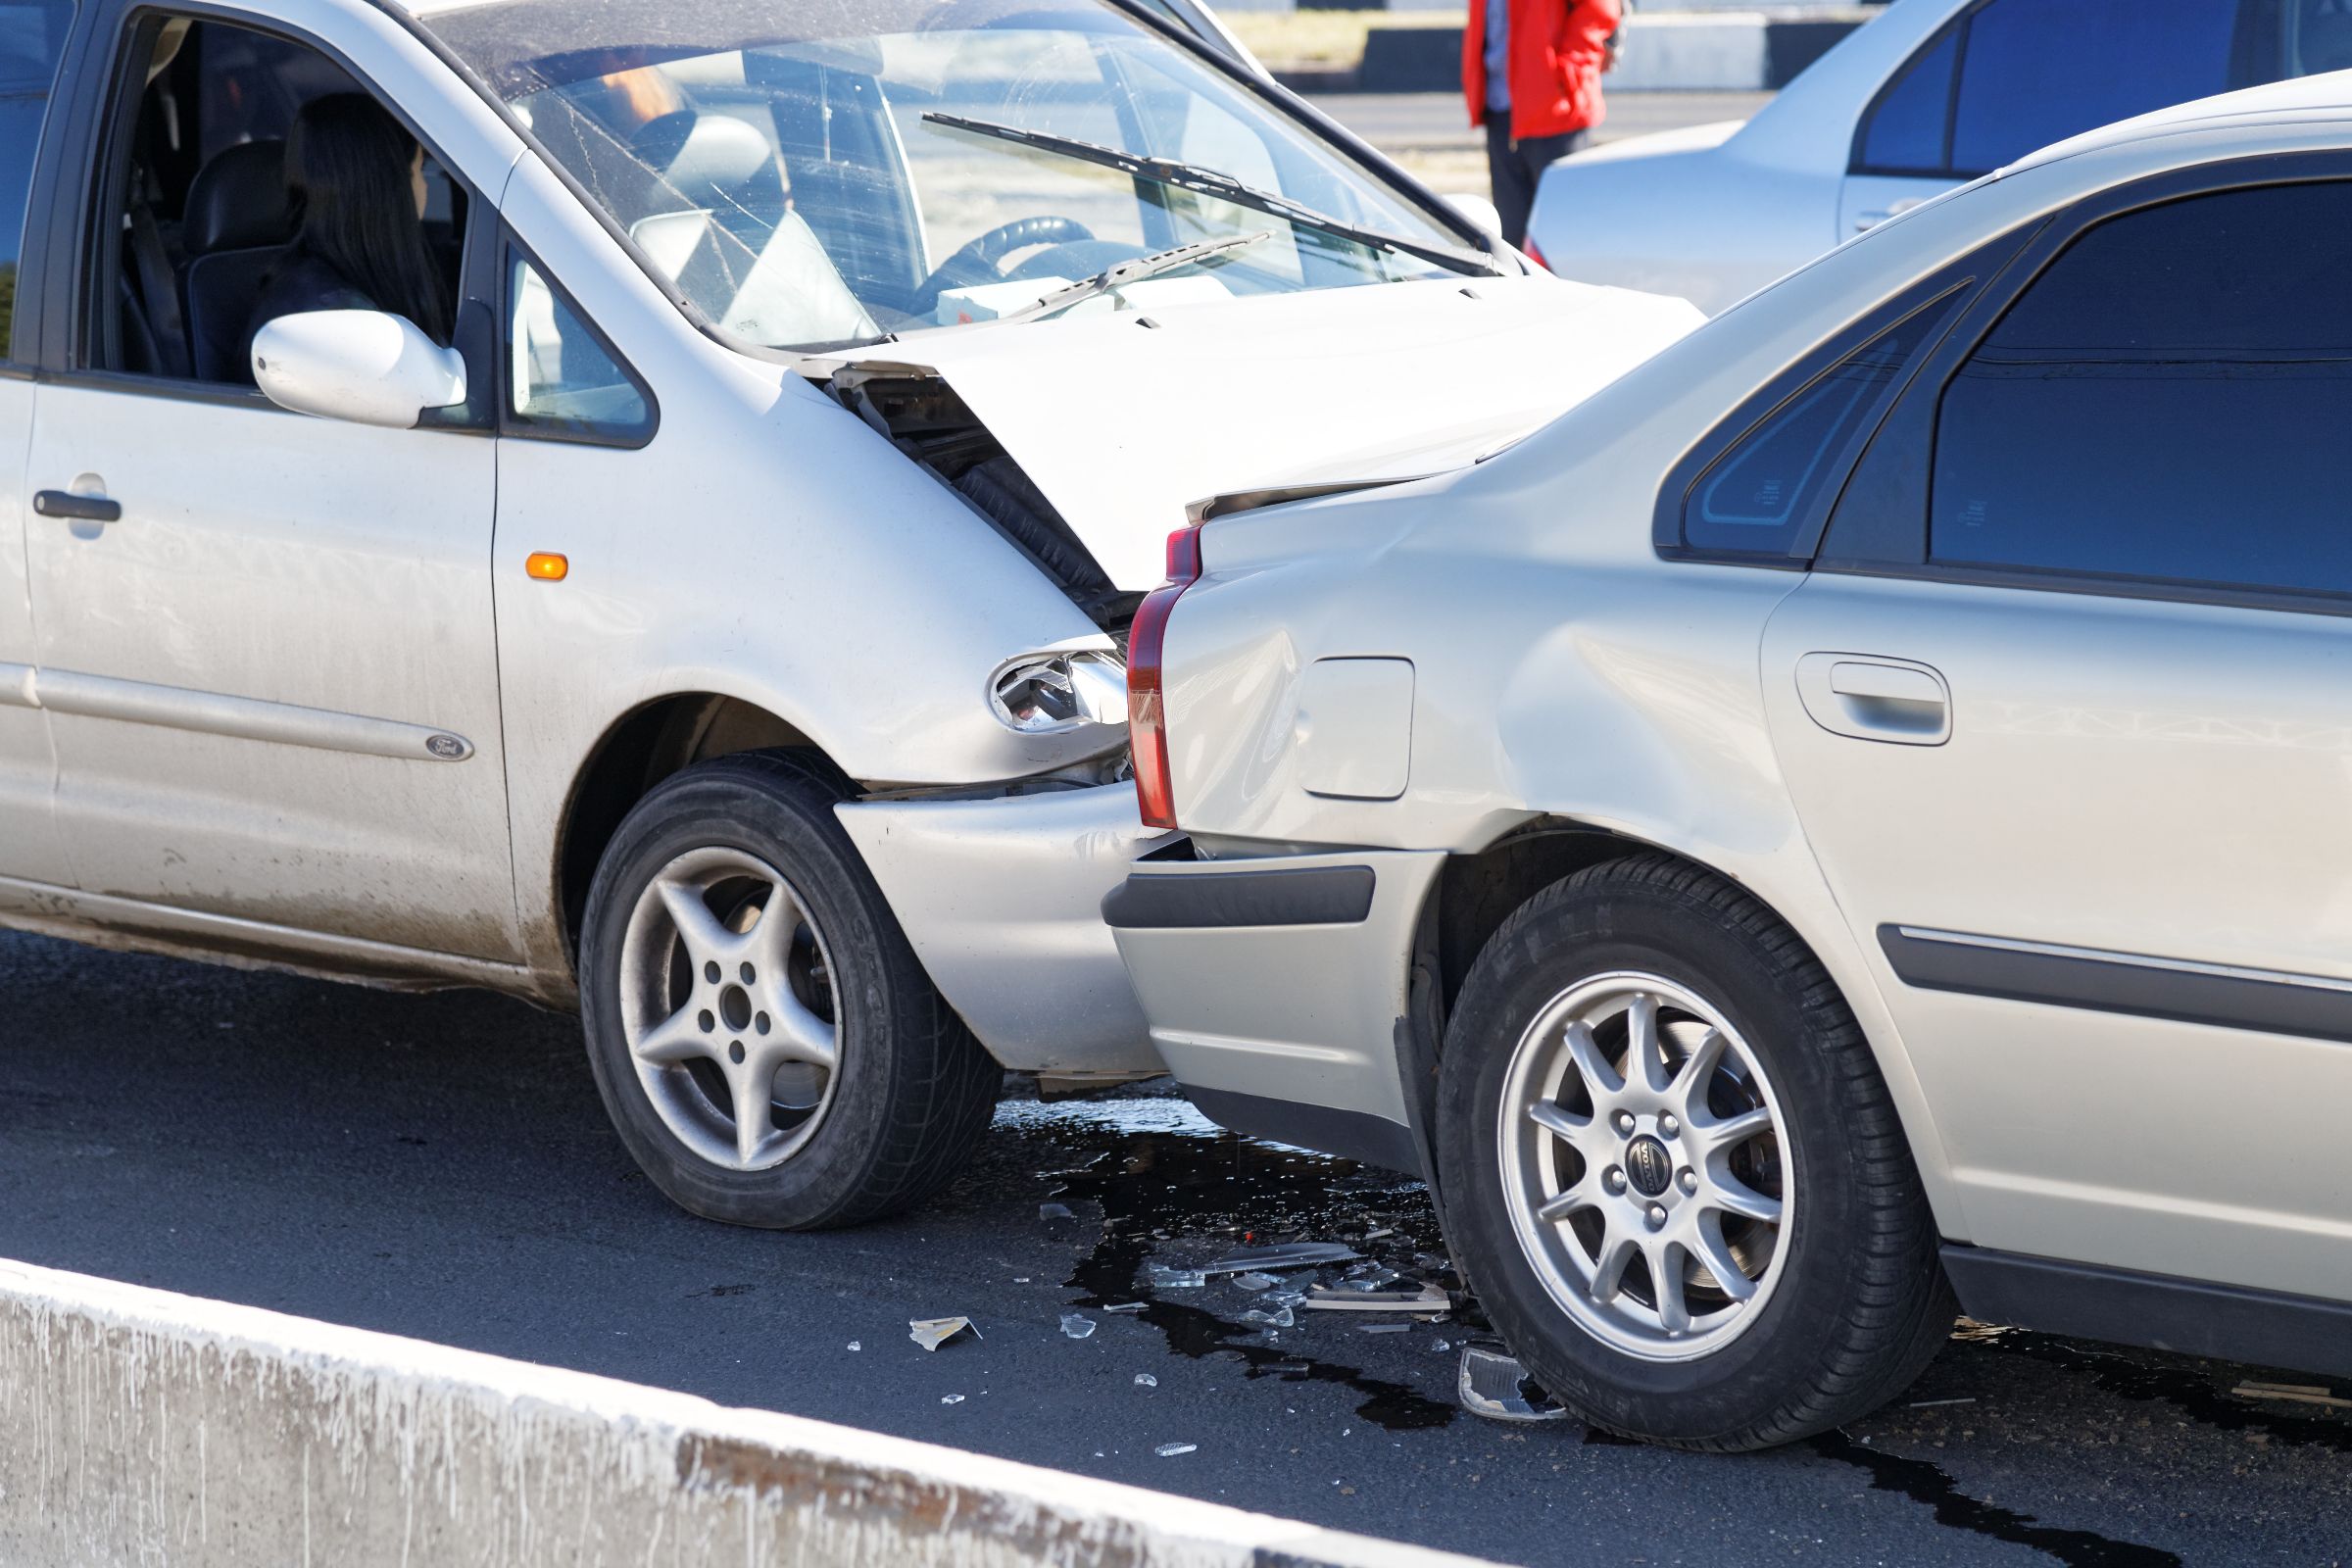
(705, 158)
(239, 200)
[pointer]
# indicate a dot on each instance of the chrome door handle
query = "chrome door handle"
(83, 509)
(1864, 223)
(1870, 698)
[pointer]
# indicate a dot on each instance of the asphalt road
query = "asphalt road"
(439, 1166)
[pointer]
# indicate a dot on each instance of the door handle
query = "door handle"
(1864, 223)
(1868, 698)
(83, 509)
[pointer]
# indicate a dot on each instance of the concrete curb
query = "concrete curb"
(1749, 51)
(146, 1426)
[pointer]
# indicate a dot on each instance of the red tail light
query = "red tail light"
(1147, 718)
(1535, 252)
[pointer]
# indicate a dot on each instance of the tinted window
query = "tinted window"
(1759, 496)
(31, 37)
(1905, 134)
(2042, 71)
(563, 381)
(2168, 401)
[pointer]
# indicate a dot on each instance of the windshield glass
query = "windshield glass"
(810, 173)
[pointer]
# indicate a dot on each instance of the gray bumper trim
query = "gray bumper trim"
(1335, 895)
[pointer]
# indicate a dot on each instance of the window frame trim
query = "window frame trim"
(1921, 401)
(510, 424)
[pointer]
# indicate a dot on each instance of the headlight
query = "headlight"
(1050, 693)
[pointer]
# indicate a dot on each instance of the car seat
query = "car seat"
(238, 223)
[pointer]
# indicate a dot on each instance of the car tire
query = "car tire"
(1565, 1222)
(863, 1091)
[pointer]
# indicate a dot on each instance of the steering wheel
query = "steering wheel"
(983, 259)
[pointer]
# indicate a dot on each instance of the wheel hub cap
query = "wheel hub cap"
(1642, 1167)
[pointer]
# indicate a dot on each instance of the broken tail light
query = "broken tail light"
(1147, 710)
(1535, 252)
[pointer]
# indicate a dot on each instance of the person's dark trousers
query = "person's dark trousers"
(1515, 167)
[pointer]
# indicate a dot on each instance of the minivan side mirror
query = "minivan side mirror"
(368, 367)
(1477, 209)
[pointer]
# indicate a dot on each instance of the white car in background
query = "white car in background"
(1930, 95)
(1847, 823)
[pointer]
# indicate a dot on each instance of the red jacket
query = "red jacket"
(1556, 50)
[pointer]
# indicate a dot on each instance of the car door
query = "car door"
(32, 39)
(266, 644)
(2066, 708)
(2007, 76)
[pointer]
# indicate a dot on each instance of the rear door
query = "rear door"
(2067, 708)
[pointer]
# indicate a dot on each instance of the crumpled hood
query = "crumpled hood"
(1122, 424)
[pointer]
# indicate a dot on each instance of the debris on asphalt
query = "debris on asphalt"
(1930, 1404)
(856, 1344)
(2292, 1392)
(951, 1399)
(1053, 1212)
(1256, 1282)
(1279, 1318)
(1169, 1450)
(1127, 1306)
(933, 1332)
(1441, 1346)
(1492, 1384)
(1144, 1380)
(1385, 1328)
(1076, 1326)
(1289, 1254)
(1376, 1235)
(1165, 1278)
(1426, 1299)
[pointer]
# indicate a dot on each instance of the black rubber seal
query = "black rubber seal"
(1334, 895)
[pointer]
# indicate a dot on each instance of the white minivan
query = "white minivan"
(724, 629)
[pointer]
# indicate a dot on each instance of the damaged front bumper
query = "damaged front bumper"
(1002, 899)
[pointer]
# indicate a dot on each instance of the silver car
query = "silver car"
(1853, 822)
(723, 628)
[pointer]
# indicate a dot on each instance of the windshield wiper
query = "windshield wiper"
(1126, 273)
(1224, 187)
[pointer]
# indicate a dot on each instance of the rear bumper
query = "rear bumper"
(1002, 900)
(1279, 991)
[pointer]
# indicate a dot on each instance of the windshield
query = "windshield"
(814, 174)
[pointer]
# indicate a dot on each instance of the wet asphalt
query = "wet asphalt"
(439, 1166)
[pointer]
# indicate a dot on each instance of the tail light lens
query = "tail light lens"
(1147, 714)
(1535, 252)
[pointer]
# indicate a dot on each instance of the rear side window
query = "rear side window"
(1764, 495)
(2166, 402)
(2040, 71)
(1905, 131)
(32, 35)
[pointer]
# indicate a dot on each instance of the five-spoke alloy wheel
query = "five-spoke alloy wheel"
(1671, 1170)
(765, 1041)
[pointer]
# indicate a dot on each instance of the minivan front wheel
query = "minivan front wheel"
(1672, 1170)
(764, 1040)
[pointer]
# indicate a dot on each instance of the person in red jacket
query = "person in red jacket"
(1530, 70)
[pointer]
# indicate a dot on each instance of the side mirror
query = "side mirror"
(1477, 209)
(368, 367)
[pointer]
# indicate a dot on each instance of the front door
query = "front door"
(2081, 773)
(265, 640)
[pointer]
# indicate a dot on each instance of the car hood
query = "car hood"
(1122, 418)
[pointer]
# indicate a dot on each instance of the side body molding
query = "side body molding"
(137, 702)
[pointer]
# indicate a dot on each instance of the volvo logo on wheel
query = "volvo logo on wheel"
(1648, 1166)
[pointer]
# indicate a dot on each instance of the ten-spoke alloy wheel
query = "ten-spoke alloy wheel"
(1672, 1172)
(765, 1041)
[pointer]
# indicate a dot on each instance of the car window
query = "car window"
(808, 178)
(1760, 497)
(2162, 403)
(561, 380)
(32, 38)
(2011, 76)
(1905, 131)
(209, 237)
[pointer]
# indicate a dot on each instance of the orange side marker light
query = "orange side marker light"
(547, 566)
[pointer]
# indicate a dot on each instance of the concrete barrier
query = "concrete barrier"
(141, 1427)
